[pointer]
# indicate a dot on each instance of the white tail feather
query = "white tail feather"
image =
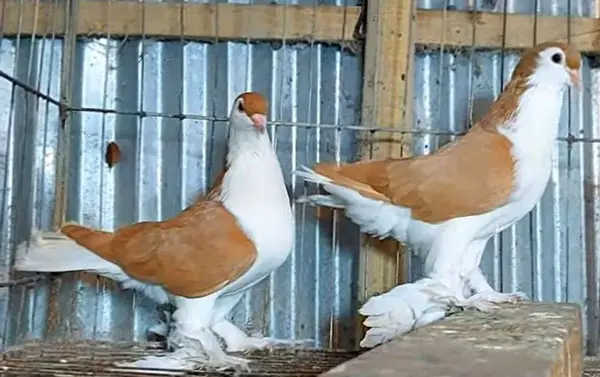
(53, 252)
(322, 200)
(374, 217)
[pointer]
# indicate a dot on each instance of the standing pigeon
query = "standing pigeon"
(447, 205)
(204, 259)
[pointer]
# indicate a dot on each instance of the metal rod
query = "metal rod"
(28, 88)
(23, 281)
(66, 84)
(349, 127)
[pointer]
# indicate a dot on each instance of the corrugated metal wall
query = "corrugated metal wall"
(166, 161)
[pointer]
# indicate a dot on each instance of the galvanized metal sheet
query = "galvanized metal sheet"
(551, 254)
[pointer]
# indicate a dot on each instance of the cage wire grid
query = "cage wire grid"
(304, 130)
(70, 113)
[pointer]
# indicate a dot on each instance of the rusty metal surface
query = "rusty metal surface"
(164, 103)
(97, 358)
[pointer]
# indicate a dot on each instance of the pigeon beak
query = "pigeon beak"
(574, 77)
(259, 121)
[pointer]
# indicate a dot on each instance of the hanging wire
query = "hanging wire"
(569, 153)
(440, 81)
(181, 121)
(294, 179)
(249, 84)
(25, 151)
(281, 59)
(472, 50)
(215, 62)
(136, 297)
(6, 203)
(51, 77)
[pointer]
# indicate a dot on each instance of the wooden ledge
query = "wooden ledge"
(527, 339)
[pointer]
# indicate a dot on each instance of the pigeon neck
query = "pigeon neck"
(534, 124)
(247, 143)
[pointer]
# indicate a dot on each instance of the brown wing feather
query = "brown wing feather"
(193, 254)
(470, 176)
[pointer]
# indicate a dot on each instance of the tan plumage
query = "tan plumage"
(203, 259)
(469, 176)
(447, 205)
(437, 187)
(192, 254)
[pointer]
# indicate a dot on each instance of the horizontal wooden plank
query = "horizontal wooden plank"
(226, 22)
(190, 21)
(514, 32)
(527, 339)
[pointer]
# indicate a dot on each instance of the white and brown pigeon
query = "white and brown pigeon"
(447, 205)
(204, 259)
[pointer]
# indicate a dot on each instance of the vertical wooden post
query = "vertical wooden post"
(386, 102)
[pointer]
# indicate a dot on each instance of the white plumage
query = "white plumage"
(253, 191)
(452, 249)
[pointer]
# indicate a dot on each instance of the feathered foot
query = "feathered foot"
(401, 310)
(185, 359)
(162, 328)
(258, 342)
(476, 302)
(482, 291)
(237, 340)
(495, 297)
(483, 301)
(203, 351)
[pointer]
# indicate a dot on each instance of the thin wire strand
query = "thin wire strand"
(30, 103)
(215, 63)
(569, 153)
(7, 167)
(533, 215)
(25, 281)
(18, 328)
(47, 103)
(349, 127)
(336, 219)
(441, 64)
(99, 285)
(273, 131)
(182, 125)
(472, 50)
(303, 209)
(135, 296)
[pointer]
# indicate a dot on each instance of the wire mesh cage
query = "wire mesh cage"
(115, 112)
(154, 81)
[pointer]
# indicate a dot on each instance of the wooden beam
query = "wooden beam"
(512, 32)
(527, 339)
(387, 77)
(193, 21)
(296, 23)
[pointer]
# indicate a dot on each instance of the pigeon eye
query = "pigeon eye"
(240, 107)
(557, 58)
